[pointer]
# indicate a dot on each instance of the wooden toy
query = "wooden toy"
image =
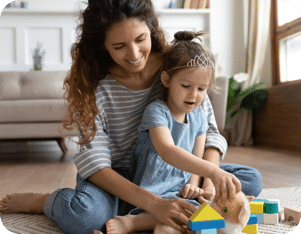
(270, 218)
(206, 218)
(292, 214)
(251, 229)
(259, 218)
(256, 207)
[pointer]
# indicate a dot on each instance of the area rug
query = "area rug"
(39, 224)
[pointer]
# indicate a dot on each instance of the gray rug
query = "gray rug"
(39, 224)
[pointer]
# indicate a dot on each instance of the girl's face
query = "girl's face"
(187, 89)
(129, 44)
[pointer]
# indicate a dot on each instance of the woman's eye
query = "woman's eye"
(185, 86)
(118, 48)
(140, 40)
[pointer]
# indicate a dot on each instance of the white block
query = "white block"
(270, 218)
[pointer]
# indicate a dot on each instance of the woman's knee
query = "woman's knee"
(252, 186)
(78, 213)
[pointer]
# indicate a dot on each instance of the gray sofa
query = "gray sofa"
(32, 105)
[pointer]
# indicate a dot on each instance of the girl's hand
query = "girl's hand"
(207, 195)
(190, 191)
(174, 213)
(226, 185)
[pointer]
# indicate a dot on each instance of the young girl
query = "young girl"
(172, 134)
(115, 74)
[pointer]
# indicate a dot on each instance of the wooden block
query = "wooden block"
(203, 225)
(270, 218)
(251, 229)
(253, 219)
(260, 219)
(207, 231)
(271, 207)
(292, 214)
(256, 207)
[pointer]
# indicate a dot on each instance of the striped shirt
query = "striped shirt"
(120, 113)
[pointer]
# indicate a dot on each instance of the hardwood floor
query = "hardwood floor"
(40, 167)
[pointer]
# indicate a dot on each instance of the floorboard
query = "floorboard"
(40, 167)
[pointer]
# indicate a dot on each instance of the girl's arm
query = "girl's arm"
(225, 183)
(198, 151)
(174, 213)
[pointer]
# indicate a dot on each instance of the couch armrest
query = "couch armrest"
(219, 101)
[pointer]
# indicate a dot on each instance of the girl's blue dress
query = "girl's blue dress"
(151, 172)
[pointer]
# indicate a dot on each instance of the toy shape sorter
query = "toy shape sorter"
(206, 220)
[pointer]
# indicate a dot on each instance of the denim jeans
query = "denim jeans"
(87, 207)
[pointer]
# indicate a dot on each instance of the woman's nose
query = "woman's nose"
(134, 53)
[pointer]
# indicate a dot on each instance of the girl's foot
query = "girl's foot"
(31, 203)
(119, 225)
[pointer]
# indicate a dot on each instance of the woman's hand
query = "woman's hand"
(190, 191)
(174, 213)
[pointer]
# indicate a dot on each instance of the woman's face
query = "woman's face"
(129, 44)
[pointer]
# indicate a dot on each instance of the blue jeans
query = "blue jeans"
(87, 207)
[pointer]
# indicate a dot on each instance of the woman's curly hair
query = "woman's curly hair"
(91, 62)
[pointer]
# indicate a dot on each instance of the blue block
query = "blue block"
(207, 231)
(260, 218)
(252, 219)
(212, 224)
(259, 200)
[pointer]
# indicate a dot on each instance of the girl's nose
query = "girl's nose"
(193, 93)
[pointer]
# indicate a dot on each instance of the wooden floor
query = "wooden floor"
(40, 167)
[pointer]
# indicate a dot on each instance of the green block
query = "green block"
(271, 207)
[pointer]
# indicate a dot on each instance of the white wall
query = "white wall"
(228, 29)
(53, 5)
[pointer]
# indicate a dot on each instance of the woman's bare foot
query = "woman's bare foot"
(31, 203)
(162, 228)
(119, 225)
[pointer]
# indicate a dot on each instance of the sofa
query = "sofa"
(32, 106)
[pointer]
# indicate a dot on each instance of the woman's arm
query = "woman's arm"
(225, 183)
(174, 213)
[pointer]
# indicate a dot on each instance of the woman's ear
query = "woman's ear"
(165, 78)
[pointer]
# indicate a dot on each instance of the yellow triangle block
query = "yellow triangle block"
(205, 213)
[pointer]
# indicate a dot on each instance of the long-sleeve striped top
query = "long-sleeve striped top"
(120, 113)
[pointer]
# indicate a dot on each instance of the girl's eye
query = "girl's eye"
(200, 89)
(185, 86)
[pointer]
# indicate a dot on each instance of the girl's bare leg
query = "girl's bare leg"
(131, 223)
(31, 203)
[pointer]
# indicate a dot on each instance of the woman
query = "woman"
(114, 76)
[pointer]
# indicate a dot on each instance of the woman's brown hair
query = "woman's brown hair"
(90, 62)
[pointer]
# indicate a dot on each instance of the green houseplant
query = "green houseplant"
(249, 99)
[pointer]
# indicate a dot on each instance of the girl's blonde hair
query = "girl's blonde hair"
(184, 48)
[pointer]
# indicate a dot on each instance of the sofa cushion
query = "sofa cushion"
(39, 110)
(32, 85)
